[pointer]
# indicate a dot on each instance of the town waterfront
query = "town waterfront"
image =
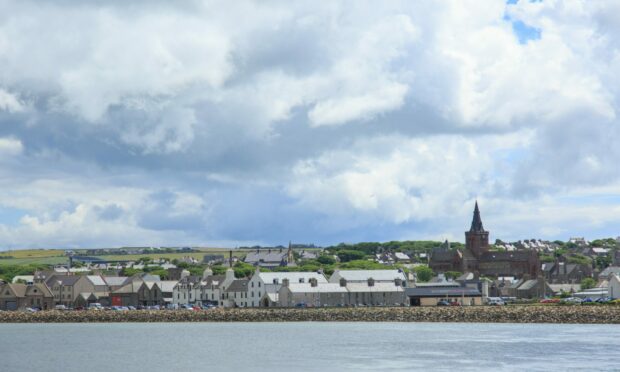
(308, 346)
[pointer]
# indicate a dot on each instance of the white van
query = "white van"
(95, 306)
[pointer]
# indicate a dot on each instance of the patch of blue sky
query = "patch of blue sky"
(11, 216)
(590, 199)
(523, 31)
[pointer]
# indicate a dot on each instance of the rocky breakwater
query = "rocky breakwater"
(506, 314)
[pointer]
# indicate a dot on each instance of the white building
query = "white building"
(263, 288)
(311, 294)
(614, 286)
(208, 289)
(235, 293)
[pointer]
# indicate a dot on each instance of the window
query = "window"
(258, 284)
(252, 284)
(252, 293)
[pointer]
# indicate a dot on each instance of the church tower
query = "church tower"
(477, 239)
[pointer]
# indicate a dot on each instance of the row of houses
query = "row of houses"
(46, 289)
(285, 289)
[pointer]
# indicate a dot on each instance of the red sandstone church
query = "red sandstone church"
(478, 259)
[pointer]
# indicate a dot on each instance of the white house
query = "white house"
(185, 291)
(372, 293)
(211, 288)
(311, 294)
(614, 286)
(263, 287)
(235, 293)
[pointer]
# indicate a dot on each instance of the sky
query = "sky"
(218, 123)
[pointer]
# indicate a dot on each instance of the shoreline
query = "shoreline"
(482, 314)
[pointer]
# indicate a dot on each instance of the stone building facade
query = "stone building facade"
(478, 258)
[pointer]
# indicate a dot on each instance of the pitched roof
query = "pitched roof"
(442, 254)
(506, 256)
(215, 280)
(377, 287)
(476, 222)
(115, 280)
(238, 285)
(166, 285)
(377, 275)
(63, 279)
(273, 256)
(96, 279)
(292, 276)
(529, 284)
(18, 289)
(610, 270)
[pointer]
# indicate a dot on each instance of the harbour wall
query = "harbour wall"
(481, 314)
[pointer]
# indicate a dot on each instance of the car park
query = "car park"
(572, 300)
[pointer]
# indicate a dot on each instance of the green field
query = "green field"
(57, 256)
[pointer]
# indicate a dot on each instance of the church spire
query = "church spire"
(476, 222)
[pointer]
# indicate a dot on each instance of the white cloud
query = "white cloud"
(9, 102)
(10, 146)
(390, 114)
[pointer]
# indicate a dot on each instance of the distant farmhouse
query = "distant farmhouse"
(271, 257)
(478, 259)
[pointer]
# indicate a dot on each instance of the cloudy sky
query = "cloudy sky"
(221, 123)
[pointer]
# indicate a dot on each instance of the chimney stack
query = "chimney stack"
(230, 258)
(313, 282)
(285, 282)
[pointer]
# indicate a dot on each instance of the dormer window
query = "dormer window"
(275, 281)
(301, 280)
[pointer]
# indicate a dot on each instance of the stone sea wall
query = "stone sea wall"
(484, 314)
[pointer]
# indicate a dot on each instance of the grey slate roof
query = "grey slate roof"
(216, 280)
(64, 279)
(610, 270)
(273, 256)
(238, 285)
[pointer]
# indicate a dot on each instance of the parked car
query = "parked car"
(496, 302)
(60, 307)
(443, 303)
(572, 300)
(602, 300)
(550, 301)
(95, 306)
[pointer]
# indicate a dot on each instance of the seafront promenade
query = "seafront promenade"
(481, 314)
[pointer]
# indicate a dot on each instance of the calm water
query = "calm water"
(307, 346)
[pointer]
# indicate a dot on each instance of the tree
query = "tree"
(243, 270)
(423, 273)
(587, 283)
(453, 274)
(326, 260)
(350, 255)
